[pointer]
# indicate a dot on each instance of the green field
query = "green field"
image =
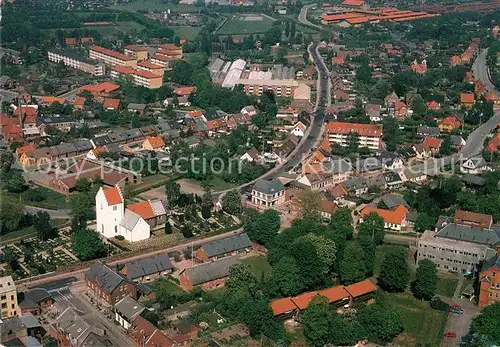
(423, 325)
(155, 5)
(186, 33)
(258, 265)
(244, 24)
(446, 286)
(128, 26)
(51, 199)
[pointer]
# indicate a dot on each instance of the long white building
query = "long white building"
(76, 61)
(369, 135)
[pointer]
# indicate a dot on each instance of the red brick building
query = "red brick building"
(207, 275)
(107, 285)
(489, 282)
(35, 301)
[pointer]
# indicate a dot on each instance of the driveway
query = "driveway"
(459, 323)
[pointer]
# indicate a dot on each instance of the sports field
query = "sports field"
(244, 24)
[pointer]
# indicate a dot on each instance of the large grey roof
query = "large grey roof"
(493, 261)
(227, 245)
(469, 234)
(148, 266)
(29, 321)
(356, 183)
(129, 308)
(65, 148)
(34, 296)
(107, 279)
(336, 166)
(368, 164)
(473, 179)
(268, 187)
(392, 200)
(211, 271)
(130, 219)
(425, 130)
(82, 144)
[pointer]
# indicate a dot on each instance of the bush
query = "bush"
(440, 305)
(119, 237)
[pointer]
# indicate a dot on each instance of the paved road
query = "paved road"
(459, 323)
(313, 132)
(303, 16)
(52, 213)
(480, 70)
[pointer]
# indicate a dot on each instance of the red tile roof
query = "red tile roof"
(187, 90)
(25, 110)
(149, 65)
(338, 60)
(432, 142)
(334, 294)
(338, 17)
(494, 144)
(303, 300)
(112, 53)
(394, 216)
(107, 87)
(472, 218)
(155, 142)
(361, 129)
(111, 104)
(70, 41)
(24, 149)
(433, 105)
(143, 209)
(361, 288)
(353, 3)
(451, 121)
(79, 101)
(467, 98)
(280, 306)
(113, 196)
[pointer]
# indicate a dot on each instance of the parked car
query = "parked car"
(450, 334)
(456, 310)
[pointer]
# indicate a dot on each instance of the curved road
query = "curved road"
(303, 16)
(313, 132)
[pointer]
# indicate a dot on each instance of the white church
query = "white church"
(133, 222)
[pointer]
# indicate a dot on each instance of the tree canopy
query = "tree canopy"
(425, 284)
(394, 272)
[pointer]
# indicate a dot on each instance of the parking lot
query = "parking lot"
(459, 323)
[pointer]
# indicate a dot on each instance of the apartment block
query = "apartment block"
(162, 60)
(8, 298)
(369, 135)
(457, 248)
(170, 50)
(111, 57)
(278, 87)
(153, 68)
(139, 77)
(76, 61)
(139, 52)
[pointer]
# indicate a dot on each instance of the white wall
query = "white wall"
(108, 217)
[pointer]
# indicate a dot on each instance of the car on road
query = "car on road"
(450, 334)
(458, 310)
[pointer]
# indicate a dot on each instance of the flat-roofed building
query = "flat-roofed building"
(111, 57)
(76, 61)
(148, 66)
(370, 135)
(139, 77)
(458, 248)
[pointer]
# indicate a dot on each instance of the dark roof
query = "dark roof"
(473, 179)
(387, 157)
(493, 261)
(148, 266)
(82, 144)
(144, 288)
(73, 55)
(65, 148)
(211, 271)
(33, 297)
(133, 106)
(101, 140)
(107, 279)
(53, 120)
(392, 200)
(368, 164)
(129, 308)
(268, 187)
(336, 166)
(469, 234)
(227, 245)
(425, 130)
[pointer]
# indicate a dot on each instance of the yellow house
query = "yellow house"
(8, 298)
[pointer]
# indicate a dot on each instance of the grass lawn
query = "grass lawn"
(446, 286)
(149, 181)
(107, 30)
(380, 253)
(258, 265)
(186, 33)
(128, 26)
(245, 24)
(423, 325)
(155, 5)
(218, 183)
(52, 200)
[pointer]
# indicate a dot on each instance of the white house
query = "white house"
(298, 129)
(474, 165)
(251, 155)
(249, 111)
(134, 223)
(126, 310)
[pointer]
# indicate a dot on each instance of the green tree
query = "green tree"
(43, 226)
(310, 204)
(316, 319)
(424, 222)
(81, 211)
(82, 185)
(173, 193)
(6, 161)
(231, 202)
(240, 276)
(485, 328)
(15, 182)
(446, 146)
(364, 73)
(285, 278)
(425, 284)
(369, 249)
(263, 227)
(88, 245)
(168, 228)
(11, 215)
(352, 265)
(381, 323)
(391, 133)
(372, 227)
(206, 204)
(418, 105)
(394, 273)
(352, 141)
